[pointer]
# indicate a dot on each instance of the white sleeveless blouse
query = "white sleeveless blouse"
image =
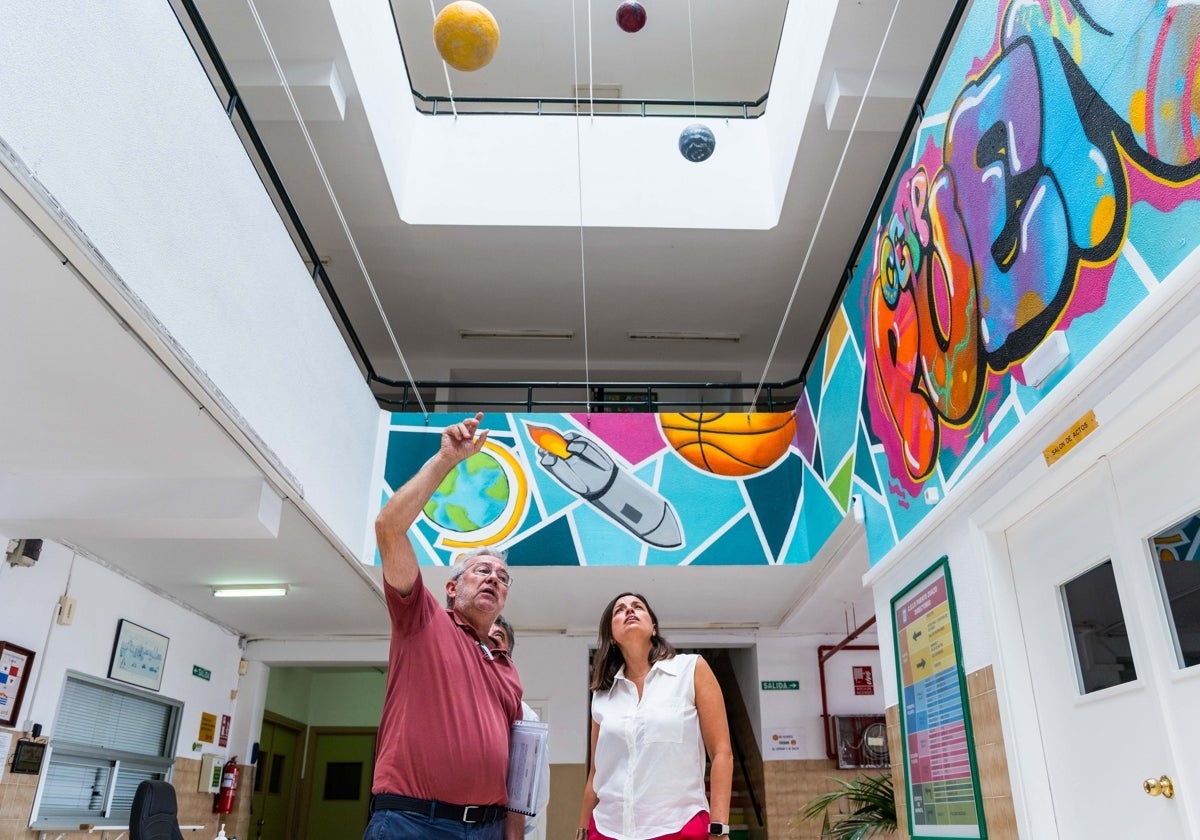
(649, 754)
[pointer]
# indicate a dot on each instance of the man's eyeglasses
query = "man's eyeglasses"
(483, 570)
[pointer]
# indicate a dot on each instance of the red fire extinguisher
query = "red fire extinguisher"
(223, 801)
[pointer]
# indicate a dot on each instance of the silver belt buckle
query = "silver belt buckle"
(466, 812)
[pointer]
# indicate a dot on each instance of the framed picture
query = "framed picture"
(28, 757)
(138, 656)
(15, 664)
(941, 773)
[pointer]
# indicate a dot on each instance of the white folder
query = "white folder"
(526, 759)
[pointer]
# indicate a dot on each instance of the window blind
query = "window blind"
(106, 741)
(99, 716)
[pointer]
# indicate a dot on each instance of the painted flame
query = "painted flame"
(549, 439)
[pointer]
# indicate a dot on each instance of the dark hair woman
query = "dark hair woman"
(655, 714)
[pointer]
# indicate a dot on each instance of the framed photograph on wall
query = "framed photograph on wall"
(138, 656)
(15, 665)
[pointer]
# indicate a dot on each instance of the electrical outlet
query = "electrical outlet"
(66, 609)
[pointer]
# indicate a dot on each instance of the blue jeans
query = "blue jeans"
(401, 825)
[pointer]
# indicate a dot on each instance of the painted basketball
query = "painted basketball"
(728, 444)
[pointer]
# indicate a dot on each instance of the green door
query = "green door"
(275, 782)
(342, 765)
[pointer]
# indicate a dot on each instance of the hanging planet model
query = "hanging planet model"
(466, 35)
(696, 142)
(631, 16)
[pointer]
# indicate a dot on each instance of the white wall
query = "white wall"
(110, 108)
(103, 598)
(795, 658)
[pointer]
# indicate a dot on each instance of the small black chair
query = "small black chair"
(155, 813)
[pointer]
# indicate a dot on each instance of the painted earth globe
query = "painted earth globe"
(472, 496)
(466, 35)
(631, 16)
(696, 142)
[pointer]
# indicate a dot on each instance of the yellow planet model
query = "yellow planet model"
(466, 35)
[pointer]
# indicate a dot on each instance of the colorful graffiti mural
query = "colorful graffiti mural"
(1009, 228)
(621, 489)
(1052, 186)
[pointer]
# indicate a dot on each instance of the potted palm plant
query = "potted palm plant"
(866, 807)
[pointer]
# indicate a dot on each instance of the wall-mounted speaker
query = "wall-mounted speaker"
(24, 552)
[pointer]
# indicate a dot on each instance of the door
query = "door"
(1112, 636)
(275, 776)
(340, 764)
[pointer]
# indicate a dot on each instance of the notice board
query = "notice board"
(941, 772)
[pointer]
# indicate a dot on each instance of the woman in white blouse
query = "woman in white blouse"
(655, 714)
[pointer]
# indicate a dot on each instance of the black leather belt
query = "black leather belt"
(441, 810)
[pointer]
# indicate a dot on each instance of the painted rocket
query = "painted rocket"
(583, 466)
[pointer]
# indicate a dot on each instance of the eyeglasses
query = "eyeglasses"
(484, 570)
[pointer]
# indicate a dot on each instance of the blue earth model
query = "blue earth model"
(473, 496)
(697, 143)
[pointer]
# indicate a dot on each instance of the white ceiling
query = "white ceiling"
(434, 280)
(94, 407)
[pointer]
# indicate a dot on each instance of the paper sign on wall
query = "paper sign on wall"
(864, 680)
(224, 740)
(208, 728)
(785, 743)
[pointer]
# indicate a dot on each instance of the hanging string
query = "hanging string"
(591, 75)
(692, 56)
(262, 31)
(445, 69)
(824, 207)
(587, 379)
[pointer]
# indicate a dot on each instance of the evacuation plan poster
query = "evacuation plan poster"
(943, 792)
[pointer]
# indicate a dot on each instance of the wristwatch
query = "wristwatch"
(717, 829)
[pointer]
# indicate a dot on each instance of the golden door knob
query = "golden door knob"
(1162, 786)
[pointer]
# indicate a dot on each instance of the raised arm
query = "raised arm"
(459, 442)
(590, 800)
(714, 729)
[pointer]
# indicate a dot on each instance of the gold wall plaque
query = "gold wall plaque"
(1080, 429)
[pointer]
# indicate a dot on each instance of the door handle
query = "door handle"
(1162, 786)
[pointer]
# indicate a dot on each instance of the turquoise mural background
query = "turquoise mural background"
(760, 518)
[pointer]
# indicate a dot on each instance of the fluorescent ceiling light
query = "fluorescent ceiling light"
(685, 336)
(538, 334)
(254, 590)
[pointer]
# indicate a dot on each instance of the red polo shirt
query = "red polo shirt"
(448, 709)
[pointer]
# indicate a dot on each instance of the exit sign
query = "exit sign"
(780, 685)
(202, 673)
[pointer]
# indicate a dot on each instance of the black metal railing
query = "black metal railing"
(564, 105)
(569, 106)
(592, 396)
